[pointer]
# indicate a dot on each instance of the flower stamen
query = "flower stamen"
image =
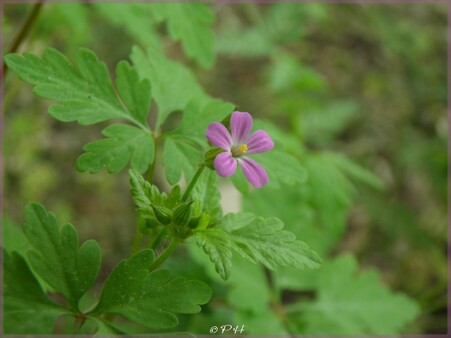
(240, 150)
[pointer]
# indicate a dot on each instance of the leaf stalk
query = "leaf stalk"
(193, 182)
(165, 255)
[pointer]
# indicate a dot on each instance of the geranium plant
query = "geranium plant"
(142, 294)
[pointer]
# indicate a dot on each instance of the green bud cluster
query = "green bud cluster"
(168, 211)
(181, 213)
(162, 214)
(180, 220)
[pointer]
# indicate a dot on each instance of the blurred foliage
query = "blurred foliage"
(354, 95)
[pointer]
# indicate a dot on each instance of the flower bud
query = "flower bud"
(162, 214)
(181, 213)
(226, 120)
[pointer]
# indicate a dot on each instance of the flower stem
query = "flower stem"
(193, 182)
(21, 35)
(165, 255)
(152, 165)
(157, 237)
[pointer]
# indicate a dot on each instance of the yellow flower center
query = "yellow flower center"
(240, 150)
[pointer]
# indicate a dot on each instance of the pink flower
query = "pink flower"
(237, 145)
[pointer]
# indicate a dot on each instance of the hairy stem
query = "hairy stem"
(23, 32)
(156, 240)
(137, 239)
(165, 255)
(193, 182)
(152, 166)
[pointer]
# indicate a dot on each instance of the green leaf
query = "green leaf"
(285, 141)
(329, 189)
(249, 43)
(170, 95)
(86, 94)
(215, 243)
(262, 240)
(256, 239)
(180, 155)
(13, 238)
(282, 168)
(27, 309)
(288, 74)
(252, 298)
(142, 191)
(57, 257)
(182, 149)
(74, 17)
(150, 298)
(190, 23)
(134, 93)
(355, 303)
(134, 18)
(265, 322)
(124, 143)
(199, 113)
(207, 193)
(105, 327)
(322, 124)
(249, 289)
(292, 206)
(318, 210)
(355, 171)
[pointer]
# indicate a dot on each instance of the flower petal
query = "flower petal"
(240, 125)
(259, 142)
(253, 171)
(219, 136)
(225, 164)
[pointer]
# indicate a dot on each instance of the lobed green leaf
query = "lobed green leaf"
(257, 239)
(182, 150)
(206, 192)
(355, 303)
(27, 309)
(150, 298)
(86, 93)
(133, 18)
(262, 240)
(134, 93)
(56, 255)
(161, 72)
(216, 244)
(189, 23)
(180, 155)
(124, 143)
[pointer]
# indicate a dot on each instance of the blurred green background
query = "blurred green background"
(368, 82)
